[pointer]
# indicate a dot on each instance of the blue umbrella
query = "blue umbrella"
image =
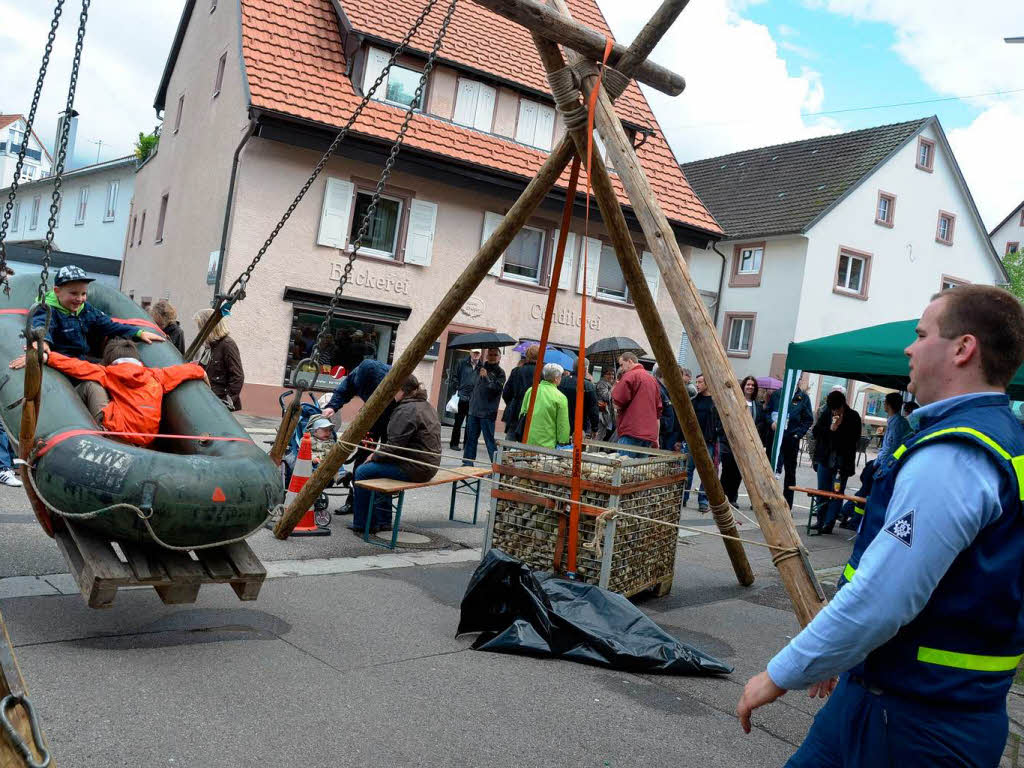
(552, 355)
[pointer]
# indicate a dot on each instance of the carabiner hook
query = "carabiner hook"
(10, 702)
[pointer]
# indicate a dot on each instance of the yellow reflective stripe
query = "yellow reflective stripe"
(1018, 467)
(968, 431)
(898, 453)
(971, 661)
(848, 572)
(858, 510)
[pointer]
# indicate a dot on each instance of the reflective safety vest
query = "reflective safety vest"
(964, 645)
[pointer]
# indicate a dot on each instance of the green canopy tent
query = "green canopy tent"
(873, 354)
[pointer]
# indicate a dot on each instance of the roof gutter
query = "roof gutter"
(721, 281)
(249, 131)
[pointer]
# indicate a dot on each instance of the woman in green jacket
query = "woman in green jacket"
(550, 424)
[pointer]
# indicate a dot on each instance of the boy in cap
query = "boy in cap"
(73, 319)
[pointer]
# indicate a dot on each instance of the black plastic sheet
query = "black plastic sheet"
(518, 611)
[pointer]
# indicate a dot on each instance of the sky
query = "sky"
(758, 72)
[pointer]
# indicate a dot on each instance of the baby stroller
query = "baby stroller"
(308, 412)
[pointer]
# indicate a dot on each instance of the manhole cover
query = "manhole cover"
(406, 538)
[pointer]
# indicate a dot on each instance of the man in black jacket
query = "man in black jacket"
(483, 406)
(800, 419)
(590, 412)
(710, 428)
(465, 380)
(836, 434)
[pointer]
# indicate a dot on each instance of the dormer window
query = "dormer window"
(474, 105)
(536, 124)
(400, 84)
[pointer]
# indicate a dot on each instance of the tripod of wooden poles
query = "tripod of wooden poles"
(550, 26)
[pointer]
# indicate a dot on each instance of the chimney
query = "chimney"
(72, 133)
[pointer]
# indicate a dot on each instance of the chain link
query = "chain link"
(29, 122)
(61, 152)
(364, 227)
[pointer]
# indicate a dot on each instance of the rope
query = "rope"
(614, 82)
(722, 514)
(566, 90)
(57, 439)
(609, 513)
(141, 514)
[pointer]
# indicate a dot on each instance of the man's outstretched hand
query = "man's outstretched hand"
(760, 690)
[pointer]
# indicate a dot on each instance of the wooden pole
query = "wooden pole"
(12, 682)
(640, 293)
(284, 432)
(773, 515)
(457, 295)
(543, 21)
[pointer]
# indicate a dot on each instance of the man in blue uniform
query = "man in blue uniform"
(928, 628)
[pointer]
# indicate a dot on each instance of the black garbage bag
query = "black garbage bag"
(518, 611)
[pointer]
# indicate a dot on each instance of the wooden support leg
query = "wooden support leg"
(611, 212)
(772, 513)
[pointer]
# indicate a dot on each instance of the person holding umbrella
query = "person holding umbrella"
(483, 406)
(465, 380)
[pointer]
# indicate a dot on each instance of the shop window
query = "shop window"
(347, 343)
(381, 238)
(874, 404)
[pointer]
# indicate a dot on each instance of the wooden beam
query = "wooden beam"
(773, 515)
(551, 25)
(457, 295)
(640, 293)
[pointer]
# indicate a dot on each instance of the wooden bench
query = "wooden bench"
(175, 576)
(464, 480)
(820, 500)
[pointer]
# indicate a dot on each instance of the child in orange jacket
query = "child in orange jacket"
(123, 395)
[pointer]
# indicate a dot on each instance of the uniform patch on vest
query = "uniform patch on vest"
(902, 529)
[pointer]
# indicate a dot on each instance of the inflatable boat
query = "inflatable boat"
(212, 485)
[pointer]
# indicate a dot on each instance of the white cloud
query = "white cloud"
(787, 31)
(799, 50)
(738, 94)
(126, 44)
(960, 51)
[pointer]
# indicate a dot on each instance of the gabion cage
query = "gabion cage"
(624, 554)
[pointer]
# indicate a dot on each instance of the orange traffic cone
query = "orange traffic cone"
(303, 469)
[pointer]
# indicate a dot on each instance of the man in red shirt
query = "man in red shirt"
(637, 400)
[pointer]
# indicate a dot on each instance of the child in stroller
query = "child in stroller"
(323, 437)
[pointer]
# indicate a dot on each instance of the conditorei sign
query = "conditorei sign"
(367, 278)
(568, 317)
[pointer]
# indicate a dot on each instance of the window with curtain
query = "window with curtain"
(611, 284)
(524, 255)
(381, 239)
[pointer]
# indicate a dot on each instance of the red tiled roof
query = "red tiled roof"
(295, 65)
(6, 120)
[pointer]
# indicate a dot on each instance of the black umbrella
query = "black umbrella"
(481, 340)
(615, 345)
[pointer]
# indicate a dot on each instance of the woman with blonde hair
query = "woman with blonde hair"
(166, 317)
(224, 364)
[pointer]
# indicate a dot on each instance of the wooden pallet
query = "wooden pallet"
(176, 576)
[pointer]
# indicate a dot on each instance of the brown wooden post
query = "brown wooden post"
(773, 515)
(551, 25)
(284, 432)
(640, 293)
(457, 295)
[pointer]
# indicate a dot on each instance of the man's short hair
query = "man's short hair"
(995, 318)
(895, 401)
(551, 371)
(835, 399)
(630, 357)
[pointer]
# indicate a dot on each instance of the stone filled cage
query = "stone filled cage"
(622, 554)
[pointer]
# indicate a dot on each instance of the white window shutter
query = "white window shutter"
(592, 247)
(651, 272)
(376, 60)
(334, 216)
(565, 278)
(484, 117)
(526, 127)
(545, 126)
(419, 244)
(491, 222)
(466, 101)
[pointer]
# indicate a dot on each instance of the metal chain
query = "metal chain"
(364, 227)
(61, 152)
(29, 122)
(237, 289)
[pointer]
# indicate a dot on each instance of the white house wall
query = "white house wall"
(775, 302)
(1010, 232)
(907, 264)
(93, 237)
(9, 160)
